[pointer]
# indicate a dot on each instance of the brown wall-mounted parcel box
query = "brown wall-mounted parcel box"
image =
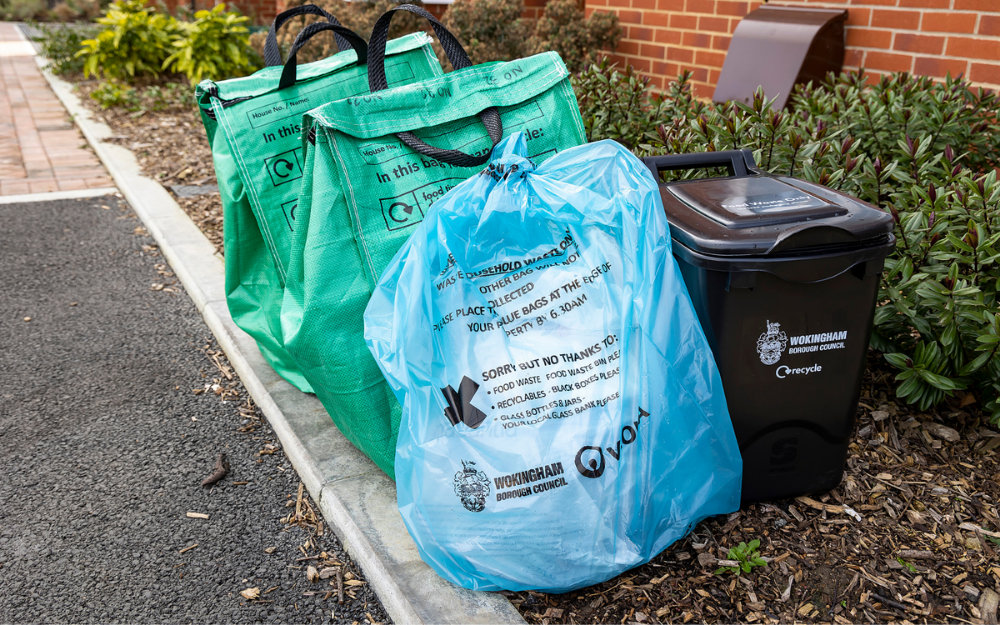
(779, 47)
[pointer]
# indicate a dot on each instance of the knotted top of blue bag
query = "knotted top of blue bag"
(509, 158)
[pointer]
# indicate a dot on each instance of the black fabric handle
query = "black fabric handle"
(738, 162)
(289, 74)
(272, 52)
(459, 60)
(380, 34)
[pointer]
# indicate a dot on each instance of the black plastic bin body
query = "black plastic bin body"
(784, 275)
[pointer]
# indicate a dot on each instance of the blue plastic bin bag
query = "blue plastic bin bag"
(563, 418)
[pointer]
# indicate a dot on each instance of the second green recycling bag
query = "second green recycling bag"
(374, 166)
(253, 127)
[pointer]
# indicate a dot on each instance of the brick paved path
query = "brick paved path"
(40, 148)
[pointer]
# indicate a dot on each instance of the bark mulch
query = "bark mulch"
(912, 534)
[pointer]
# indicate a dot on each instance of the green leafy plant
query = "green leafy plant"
(60, 43)
(63, 12)
(215, 46)
(116, 94)
(72, 10)
(616, 105)
(922, 151)
(747, 555)
(495, 31)
(564, 29)
(168, 96)
(490, 30)
(135, 42)
(112, 93)
(23, 10)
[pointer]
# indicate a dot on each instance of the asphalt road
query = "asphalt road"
(104, 444)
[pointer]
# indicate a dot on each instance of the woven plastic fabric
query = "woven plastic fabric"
(254, 130)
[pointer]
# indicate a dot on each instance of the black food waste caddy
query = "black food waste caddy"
(784, 275)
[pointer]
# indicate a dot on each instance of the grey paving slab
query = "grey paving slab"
(190, 190)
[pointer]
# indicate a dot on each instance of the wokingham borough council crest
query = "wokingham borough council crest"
(771, 344)
(472, 487)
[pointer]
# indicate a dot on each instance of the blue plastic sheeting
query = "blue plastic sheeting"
(563, 418)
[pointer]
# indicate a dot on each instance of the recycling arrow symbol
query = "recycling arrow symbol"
(406, 208)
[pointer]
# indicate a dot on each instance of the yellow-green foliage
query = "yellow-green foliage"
(134, 42)
(215, 45)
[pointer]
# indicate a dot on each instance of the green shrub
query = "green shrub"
(490, 30)
(116, 94)
(135, 42)
(63, 12)
(23, 10)
(564, 29)
(112, 93)
(923, 151)
(169, 96)
(73, 10)
(60, 43)
(493, 30)
(616, 104)
(215, 46)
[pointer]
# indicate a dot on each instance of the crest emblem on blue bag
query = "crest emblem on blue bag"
(472, 487)
(771, 344)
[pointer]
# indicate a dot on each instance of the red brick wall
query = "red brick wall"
(261, 11)
(928, 37)
(535, 8)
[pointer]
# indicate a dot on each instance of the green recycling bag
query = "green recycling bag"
(374, 166)
(258, 162)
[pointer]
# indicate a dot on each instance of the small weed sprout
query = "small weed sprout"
(748, 557)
